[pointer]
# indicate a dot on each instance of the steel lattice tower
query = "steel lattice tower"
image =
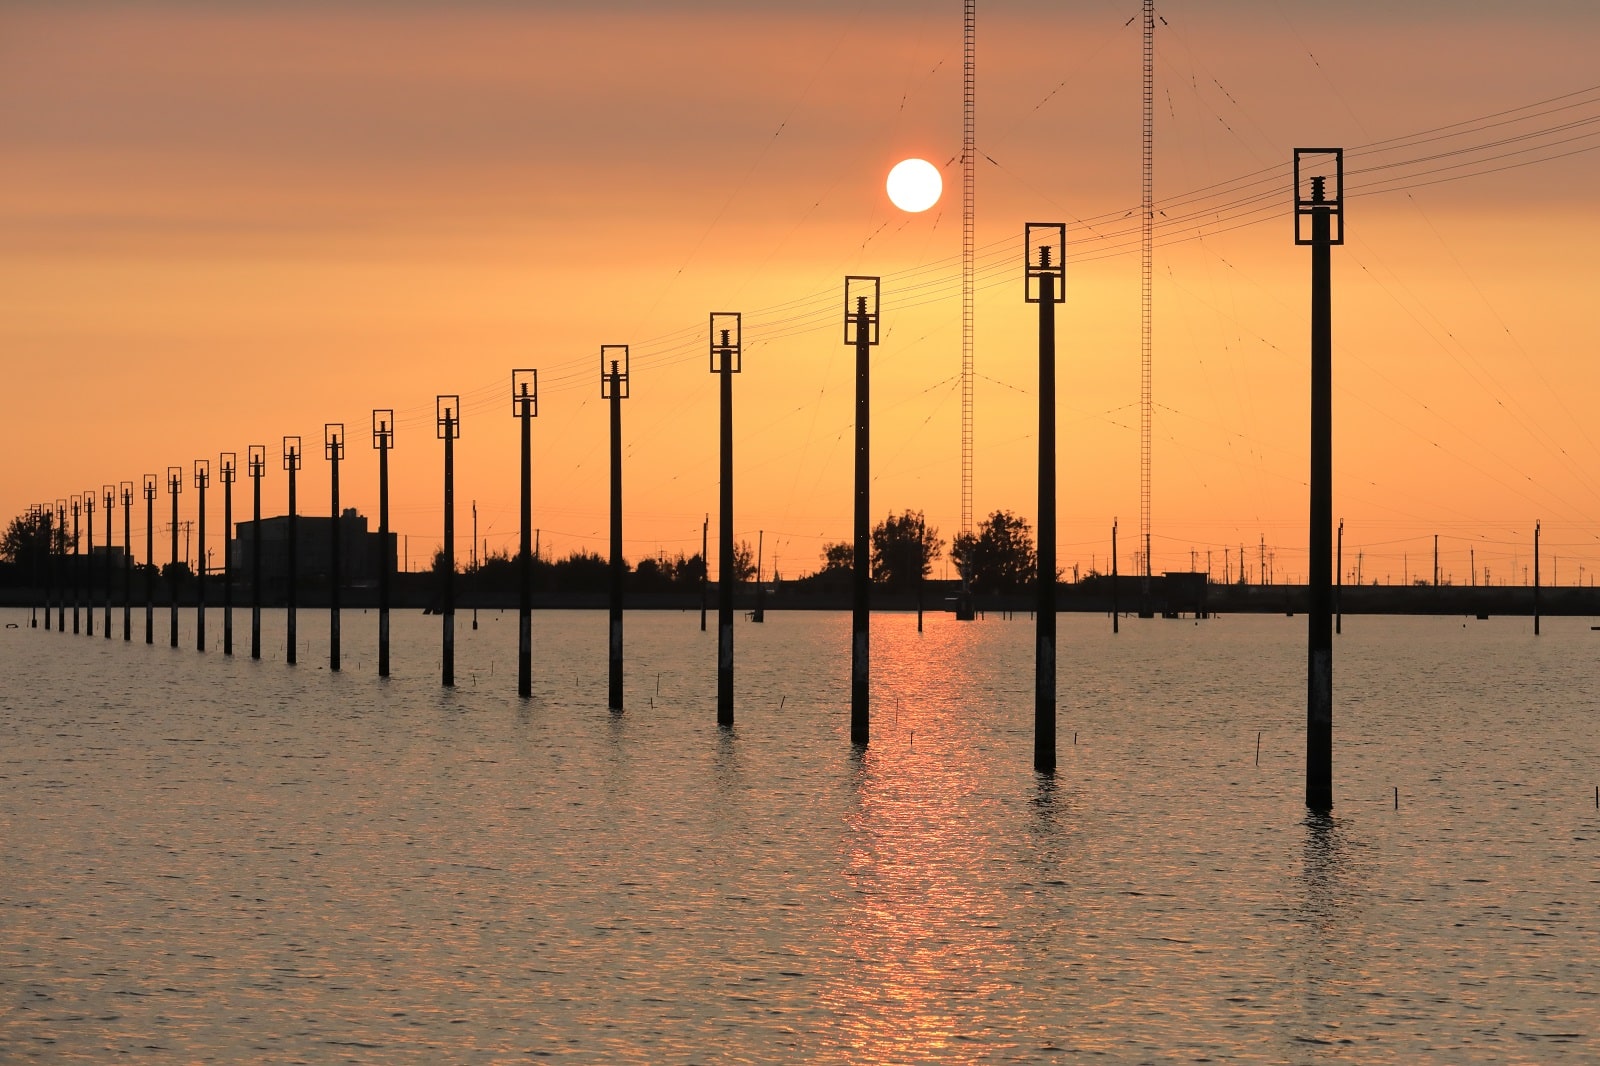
(968, 204)
(1145, 280)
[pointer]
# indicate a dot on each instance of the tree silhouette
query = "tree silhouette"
(1000, 557)
(903, 550)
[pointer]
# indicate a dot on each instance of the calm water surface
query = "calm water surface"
(215, 860)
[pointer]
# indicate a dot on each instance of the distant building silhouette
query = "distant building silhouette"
(362, 553)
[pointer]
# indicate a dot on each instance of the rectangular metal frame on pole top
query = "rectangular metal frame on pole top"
(447, 413)
(202, 473)
(727, 341)
(383, 427)
(859, 288)
(293, 453)
(1049, 238)
(256, 457)
(126, 488)
(174, 480)
(228, 467)
(525, 392)
(152, 486)
(1312, 169)
(609, 354)
(333, 440)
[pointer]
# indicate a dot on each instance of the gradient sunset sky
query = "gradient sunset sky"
(224, 223)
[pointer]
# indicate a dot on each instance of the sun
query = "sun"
(914, 185)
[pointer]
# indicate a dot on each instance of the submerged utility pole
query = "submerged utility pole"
(333, 449)
(447, 426)
(88, 564)
(727, 359)
(151, 488)
(705, 566)
(111, 504)
(1319, 222)
(1115, 606)
(174, 489)
(1338, 581)
(256, 460)
(1044, 283)
(1536, 579)
(126, 489)
(383, 440)
(202, 478)
(861, 309)
(293, 454)
(525, 406)
(614, 387)
(227, 473)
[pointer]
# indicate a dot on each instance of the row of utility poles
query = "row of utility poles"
(1319, 223)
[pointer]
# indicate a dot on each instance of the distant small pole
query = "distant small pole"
(1536, 579)
(447, 426)
(1326, 228)
(111, 505)
(88, 563)
(333, 451)
(1338, 582)
(861, 310)
(227, 473)
(202, 478)
(1436, 560)
(293, 456)
(705, 567)
(760, 613)
(174, 489)
(151, 487)
(475, 564)
(383, 440)
(256, 460)
(614, 387)
(1115, 609)
(727, 359)
(525, 406)
(1044, 283)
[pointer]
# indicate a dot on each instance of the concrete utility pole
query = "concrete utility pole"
(1319, 222)
(202, 478)
(333, 450)
(1536, 579)
(151, 488)
(293, 455)
(447, 426)
(174, 489)
(1044, 283)
(256, 459)
(111, 503)
(1115, 608)
(727, 347)
(383, 440)
(861, 306)
(88, 591)
(614, 387)
(1338, 581)
(525, 406)
(126, 489)
(227, 473)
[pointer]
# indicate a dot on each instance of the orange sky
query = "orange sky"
(227, 224)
